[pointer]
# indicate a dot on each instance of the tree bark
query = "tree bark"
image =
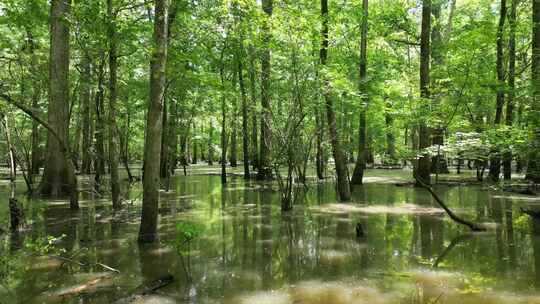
(86, 166)
(99, 162)
(507, 156)
(265, 169)
(360, 165)
(36, 92)
(152, 147)
(56, 174)
(343, 187)
(533, 166)
(254, 133)
(423, 168)
(495, 159)
(113, 95)
(245, 131)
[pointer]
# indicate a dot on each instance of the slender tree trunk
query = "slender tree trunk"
(495, 158)
(245, 132)
(265, 170)
(253, 108)
(210, 159)
(223, 160)
(152, 147)
(343, 187)
(86, 115)
(422, 169)
(164, 171)
(360, 165)
(36, 92)
(58, 175)
(99, 129)
(233, 158)
(113, 95)
(390, 138)
(507, 156)
(533, 167)
(319, 154)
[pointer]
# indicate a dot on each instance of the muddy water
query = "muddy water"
(248, 252)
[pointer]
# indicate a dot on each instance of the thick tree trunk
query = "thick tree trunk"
(533, 167)
(438, 162)
(507, 156)
(343, 187)
(360, 165)
(152, 147)
(113, 95)
(423, 168)
(56, 181)
(265, 169)
(495, 158)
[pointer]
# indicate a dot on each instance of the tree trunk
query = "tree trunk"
(423, 168)
(245, 132)
(343, 187)
(210, 156)
(252, 86)
(113, 94)
(319, 154)
(86, 115)
(507, 156)
(438, 162)
(533, 167)
(265, 170)
(360, 165)
(152, 147)
(164, 171)
(233, 158)
(495, 159)
(99, 129)
(56, 181)
(390, 138)
(36, 92)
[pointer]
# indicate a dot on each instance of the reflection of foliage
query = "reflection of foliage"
(185, 233)
(44, 245)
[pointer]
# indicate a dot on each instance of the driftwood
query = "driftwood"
(452, 215)
(146, 289)
(460, 239)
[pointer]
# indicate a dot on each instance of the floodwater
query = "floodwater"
(244, 250)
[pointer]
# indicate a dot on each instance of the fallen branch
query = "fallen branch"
(452, 215)
(460, 239)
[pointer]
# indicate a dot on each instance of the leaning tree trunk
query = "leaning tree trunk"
(533, 167)
(507, 156)
(423, 168)
(57, 180)
(343, 187)
(152, 147)
(495, 159)
(265, 169)
(360, 165)
(113, 94)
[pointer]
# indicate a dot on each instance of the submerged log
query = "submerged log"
(452, 215)
(146, 289)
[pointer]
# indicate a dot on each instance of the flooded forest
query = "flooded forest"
(270, 151)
